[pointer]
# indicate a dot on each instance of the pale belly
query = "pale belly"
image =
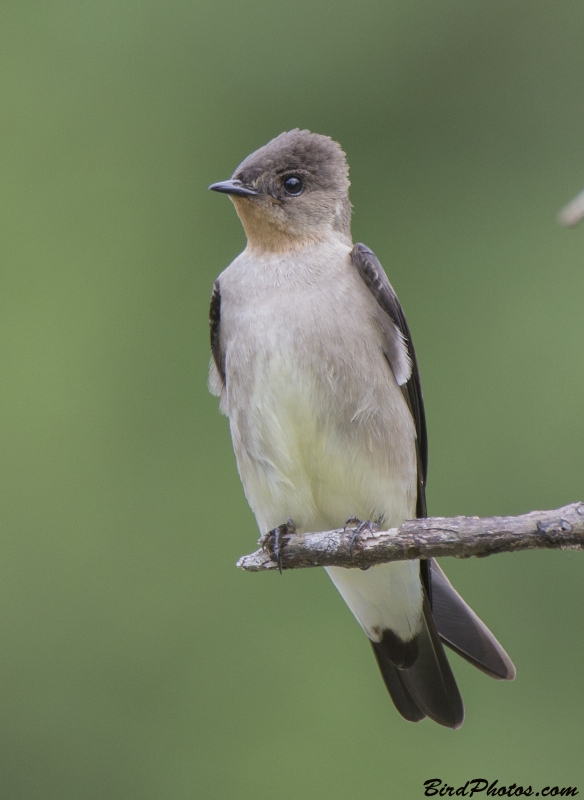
(305, 451)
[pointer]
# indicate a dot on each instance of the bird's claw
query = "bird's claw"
(359, 527)
(274, 541)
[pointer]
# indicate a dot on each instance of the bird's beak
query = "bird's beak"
(233, 187)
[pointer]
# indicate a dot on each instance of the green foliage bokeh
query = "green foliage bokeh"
(136, 662)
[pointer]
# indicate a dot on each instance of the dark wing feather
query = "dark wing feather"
(369, 268)
(215, 323)
(457, 624)
(422, 685)
(461, 629)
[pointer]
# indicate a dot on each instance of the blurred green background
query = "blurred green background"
(136, 662)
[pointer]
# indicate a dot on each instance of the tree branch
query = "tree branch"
(462, 537)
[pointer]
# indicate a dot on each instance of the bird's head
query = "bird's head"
(292, 192)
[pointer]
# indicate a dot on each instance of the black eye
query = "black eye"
(293, 185)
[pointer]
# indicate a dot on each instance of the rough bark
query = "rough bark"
(462, 537)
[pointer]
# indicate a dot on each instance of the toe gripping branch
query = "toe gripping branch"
(275, 541)
(355, 528)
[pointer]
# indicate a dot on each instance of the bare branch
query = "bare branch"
(573, 213)
(462, 537)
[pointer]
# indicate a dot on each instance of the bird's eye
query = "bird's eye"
(293, 185)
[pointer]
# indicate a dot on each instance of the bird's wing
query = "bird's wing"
(400, 354)
(426, 687)
(422, 684)
(461, 629)
(215, 324)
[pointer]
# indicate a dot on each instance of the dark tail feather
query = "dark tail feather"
(460, 628)
(402, 699)
(426, 687)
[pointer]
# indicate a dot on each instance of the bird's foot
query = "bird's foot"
(274, 541)
(356, 528)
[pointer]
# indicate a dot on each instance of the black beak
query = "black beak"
(233, 187)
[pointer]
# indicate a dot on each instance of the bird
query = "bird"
(314, 365)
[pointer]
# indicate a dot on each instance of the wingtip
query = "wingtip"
(512, 672)
(464, 632)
